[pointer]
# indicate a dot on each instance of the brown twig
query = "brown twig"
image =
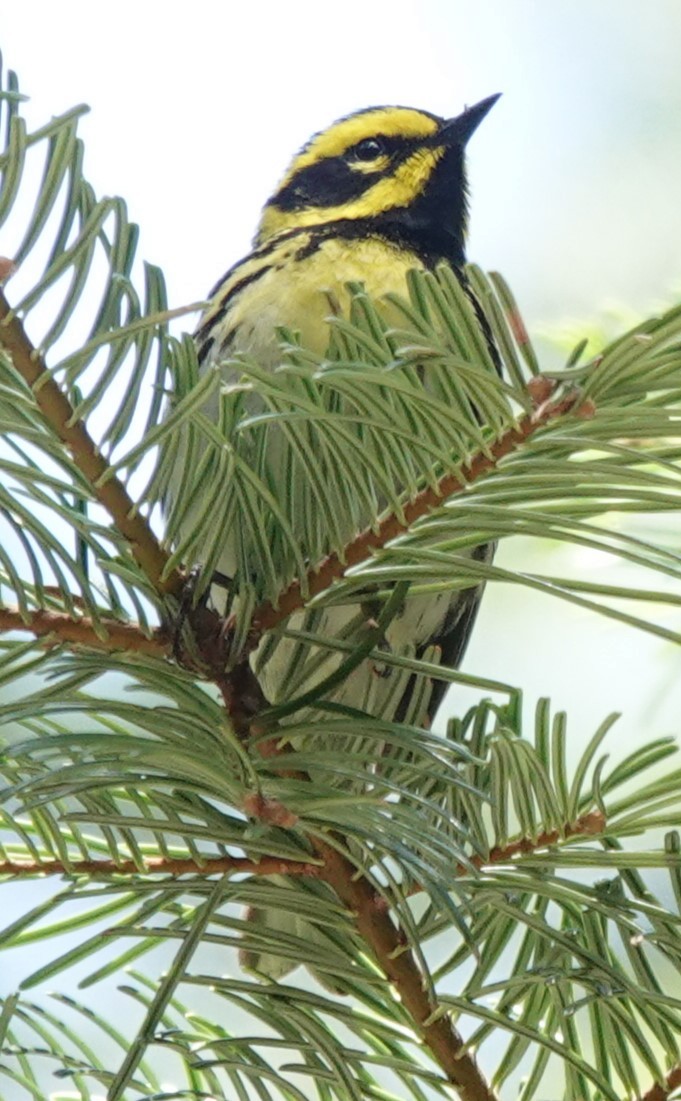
(273, 812)
(58, 412)
(146, 549)
(56, 627)
(589, 825)
(662, 1092)
(389, 947)
(377, 928)
(7, 268)
(149, 554)
(112, 495)
(218, 865)
(334, 566)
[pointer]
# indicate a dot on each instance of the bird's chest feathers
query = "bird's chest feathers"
(301, 296)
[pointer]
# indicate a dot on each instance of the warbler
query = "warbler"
(377, 193)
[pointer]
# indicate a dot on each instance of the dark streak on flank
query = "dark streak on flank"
(259, 253)
(215, 318)
(204, 349)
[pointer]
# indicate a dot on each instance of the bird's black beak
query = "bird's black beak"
(458, 130)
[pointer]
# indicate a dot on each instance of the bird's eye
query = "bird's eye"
(367, 150)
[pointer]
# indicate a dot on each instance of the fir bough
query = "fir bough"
(473, 909)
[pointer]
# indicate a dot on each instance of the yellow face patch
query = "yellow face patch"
(399, 189)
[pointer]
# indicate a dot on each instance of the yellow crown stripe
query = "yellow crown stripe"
(401, 122)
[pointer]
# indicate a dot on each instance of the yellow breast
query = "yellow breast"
(298, 285)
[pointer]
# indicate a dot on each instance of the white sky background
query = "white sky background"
(575, 178)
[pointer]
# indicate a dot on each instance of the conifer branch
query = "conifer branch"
(219, 865)
(241, 695)
(113, 496)
(59, 414)
(274, 813)
(109, 635)
(334, 566)
(389, 947)
(588, 825)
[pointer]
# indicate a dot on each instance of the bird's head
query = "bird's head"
(389, 165)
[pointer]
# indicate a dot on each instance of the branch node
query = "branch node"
(7, 269)
(270, 811)
(439, 1012)
(540, 389)
(592, 823)
(586, 410)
